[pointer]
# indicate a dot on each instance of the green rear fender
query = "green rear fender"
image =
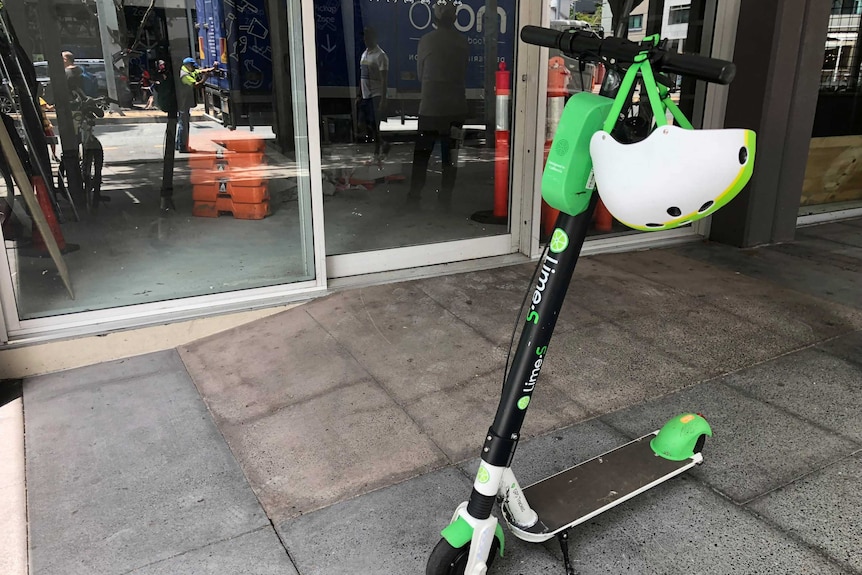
(676, 441)
(567, 182)
(459, 533)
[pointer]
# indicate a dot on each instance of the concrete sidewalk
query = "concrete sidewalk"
(339, 436)
(137, 115)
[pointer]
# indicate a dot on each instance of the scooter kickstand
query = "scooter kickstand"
(563, 538)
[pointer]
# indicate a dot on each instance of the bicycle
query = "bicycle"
(85, 112)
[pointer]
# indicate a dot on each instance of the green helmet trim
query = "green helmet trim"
(677, 439)
(742, 178)
(459, 533)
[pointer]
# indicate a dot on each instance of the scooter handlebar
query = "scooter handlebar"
(577, 44)
(700, 67)
(539, 36)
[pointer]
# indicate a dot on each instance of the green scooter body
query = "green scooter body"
(568, 182)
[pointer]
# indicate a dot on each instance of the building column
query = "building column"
(778, 54)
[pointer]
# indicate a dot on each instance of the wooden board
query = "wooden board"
(834, 171)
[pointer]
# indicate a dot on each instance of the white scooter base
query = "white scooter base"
(579, 493)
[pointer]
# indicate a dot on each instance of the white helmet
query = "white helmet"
(673, 177)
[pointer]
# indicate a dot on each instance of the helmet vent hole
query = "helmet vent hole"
(654, 225)
(743, 155)
(705, 206)
(674, 211)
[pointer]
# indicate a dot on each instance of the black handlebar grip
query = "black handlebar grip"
(539, 36)
(575, 44)
(700, 67)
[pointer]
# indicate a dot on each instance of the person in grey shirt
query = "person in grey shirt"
(373, 85)
(442, 65)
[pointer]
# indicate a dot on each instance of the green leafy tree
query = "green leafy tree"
(594, 19)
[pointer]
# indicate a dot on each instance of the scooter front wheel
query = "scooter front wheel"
(448, 560)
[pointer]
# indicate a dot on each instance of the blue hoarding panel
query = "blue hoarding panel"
(399, 26)
(235, 34)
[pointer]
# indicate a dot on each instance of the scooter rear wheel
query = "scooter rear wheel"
(447, 560)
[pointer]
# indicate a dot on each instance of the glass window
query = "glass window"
(665, 18)
(678, 14)
(411, 94)
(168, 154)
(832, 177)
(846, 7)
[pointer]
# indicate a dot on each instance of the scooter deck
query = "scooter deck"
(592, 487)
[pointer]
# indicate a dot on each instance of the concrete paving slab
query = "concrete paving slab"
(126, 468)
(685, 527)
(841, 255)
(804, 275)
(457, 419)
(815, 386)
(756, 447)
(822, 509)
(688, 328)
(790, 314)
(491, 300)
(246, 373)
(680, 526)
(329, 448)
(256, 553)
(117, 371)
(838, 232)
(614, 294)
(606, 367)
(408, 342)
(393, 531)
(848, 347)
(541, 457)
(13, 505)
(709, 338)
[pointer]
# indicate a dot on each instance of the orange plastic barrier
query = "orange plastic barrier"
(244, 144)
(602, 218)
(227, 205)
(239, 194)
(231, 181)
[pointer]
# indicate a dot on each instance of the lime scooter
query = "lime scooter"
(701, 170)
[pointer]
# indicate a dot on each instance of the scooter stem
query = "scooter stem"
(549, 291)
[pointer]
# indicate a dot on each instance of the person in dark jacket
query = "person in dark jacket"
(441, 61)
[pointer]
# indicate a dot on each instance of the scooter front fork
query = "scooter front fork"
(492, 481)
(483, 533)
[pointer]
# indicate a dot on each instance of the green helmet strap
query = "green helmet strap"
(658, 96)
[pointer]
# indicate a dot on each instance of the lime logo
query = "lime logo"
(559, 241)
(483, 476)
(524, 402)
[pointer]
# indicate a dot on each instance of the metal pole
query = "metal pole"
(108, 31)
(48, 24)
(491, 33)
(621, 26)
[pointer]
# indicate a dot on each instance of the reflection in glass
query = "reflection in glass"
(832, 177)
(412, 163)
(442, 70)
(200, 184)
